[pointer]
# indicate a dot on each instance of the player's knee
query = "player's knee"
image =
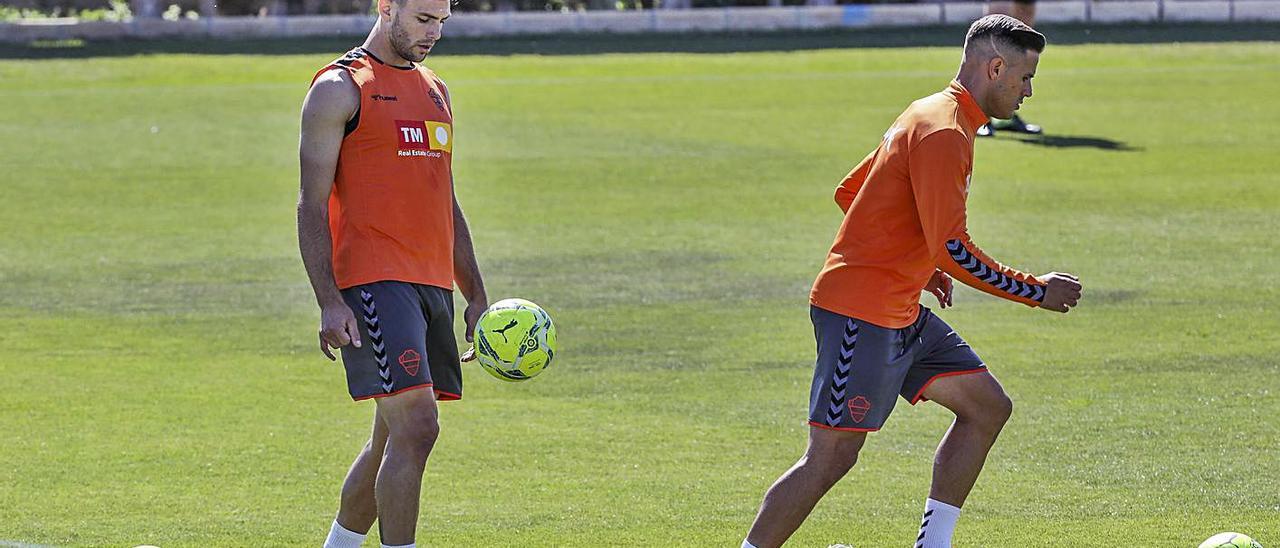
(996, 411)
(417, 433)
(842, 464)
(989, 410)
(1003, 408)
(422, 433)
(836, 466)
(415, 442)
(846, 454)
(834, 458)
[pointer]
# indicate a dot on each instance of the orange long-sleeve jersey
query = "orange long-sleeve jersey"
(905, 217)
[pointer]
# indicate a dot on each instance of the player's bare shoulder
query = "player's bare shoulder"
(333, 95)
(329, 108)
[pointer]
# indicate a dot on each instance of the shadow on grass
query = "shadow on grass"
(1076, 141)
(580, 44)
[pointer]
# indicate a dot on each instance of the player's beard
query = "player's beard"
(1009, 110)
(1014, 104)
(402, 44)
(1009, 105)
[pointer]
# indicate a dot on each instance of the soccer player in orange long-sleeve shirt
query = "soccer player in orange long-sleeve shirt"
(905, 231)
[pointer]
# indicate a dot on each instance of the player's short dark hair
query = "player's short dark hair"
(1006, 30)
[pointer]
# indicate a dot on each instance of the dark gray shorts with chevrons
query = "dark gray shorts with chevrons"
(862, 368)
(407, 341)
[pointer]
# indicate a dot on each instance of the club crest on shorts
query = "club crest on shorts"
(409, 360)
(858, 408)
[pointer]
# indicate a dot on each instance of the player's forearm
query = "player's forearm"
(968, 264)
(466, 271)
(316, 245)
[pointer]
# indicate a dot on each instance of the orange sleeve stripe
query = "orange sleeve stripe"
(979, 271)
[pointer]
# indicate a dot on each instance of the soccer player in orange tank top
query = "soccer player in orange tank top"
(904, 231)
(384, 240)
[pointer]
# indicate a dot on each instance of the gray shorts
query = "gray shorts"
(862, 368)
(406, 333)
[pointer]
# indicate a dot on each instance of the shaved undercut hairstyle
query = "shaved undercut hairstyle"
(998, 34)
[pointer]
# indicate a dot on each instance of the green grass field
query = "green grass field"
(160, 381)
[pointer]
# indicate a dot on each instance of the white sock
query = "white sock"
(746, 544)
(938, 524)
(341, 537)
(410, 545)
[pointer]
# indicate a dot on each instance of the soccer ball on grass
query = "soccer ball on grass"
(1230, 540)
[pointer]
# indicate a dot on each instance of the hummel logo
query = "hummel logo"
(377, 97)
(503, 331)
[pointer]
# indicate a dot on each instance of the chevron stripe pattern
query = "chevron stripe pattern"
(840, 378)
(969, 261)
(351, 57)
(924, 526)
(375, 340)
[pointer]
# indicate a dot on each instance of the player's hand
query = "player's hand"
(1061, 292)
(471, 316)
(940, 287)
(338, 328)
